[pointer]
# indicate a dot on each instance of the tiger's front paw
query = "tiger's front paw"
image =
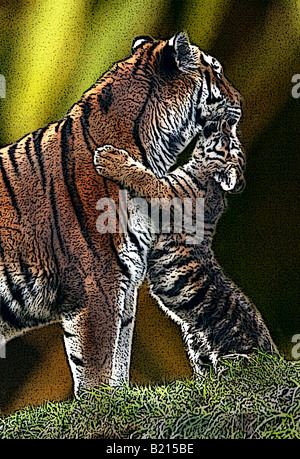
(109, 161)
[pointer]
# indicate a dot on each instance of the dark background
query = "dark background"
(52, 51)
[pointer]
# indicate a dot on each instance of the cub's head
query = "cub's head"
(219, 150)
(159, 98)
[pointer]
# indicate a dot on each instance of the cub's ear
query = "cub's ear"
(138, 42)
(179, 54)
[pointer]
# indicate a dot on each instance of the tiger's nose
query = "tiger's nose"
(240, 185)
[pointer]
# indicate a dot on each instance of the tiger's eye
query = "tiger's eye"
(231, 121)
(210, 129)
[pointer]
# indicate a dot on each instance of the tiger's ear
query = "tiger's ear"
(179, 53)
(138, 42)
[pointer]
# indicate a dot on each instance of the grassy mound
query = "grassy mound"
(254, 398)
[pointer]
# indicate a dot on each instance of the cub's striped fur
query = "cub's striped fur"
(215, 317)
(54, 264)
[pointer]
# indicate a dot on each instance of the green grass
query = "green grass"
(257, 398)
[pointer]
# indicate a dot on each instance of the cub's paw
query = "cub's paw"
(109, 154)
(108, 160)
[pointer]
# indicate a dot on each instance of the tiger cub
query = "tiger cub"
(216, 319)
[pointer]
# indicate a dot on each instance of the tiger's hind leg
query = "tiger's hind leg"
(216, 319)
(212, 332)
(27, 299)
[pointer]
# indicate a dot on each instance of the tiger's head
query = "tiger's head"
(219, 150)
(219, 142)
(158, 99)
(188, 89)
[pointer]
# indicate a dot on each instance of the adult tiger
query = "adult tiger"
(54, 264)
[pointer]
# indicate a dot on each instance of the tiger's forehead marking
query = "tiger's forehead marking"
(211, 100)
(212, 62)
